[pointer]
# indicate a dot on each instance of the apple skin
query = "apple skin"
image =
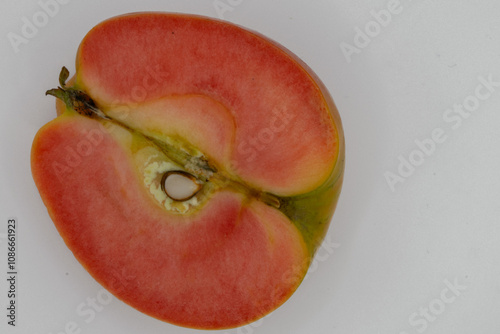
(176, 89)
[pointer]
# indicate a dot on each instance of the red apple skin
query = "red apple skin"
(234, 258)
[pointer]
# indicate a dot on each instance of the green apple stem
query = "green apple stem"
(75, 99)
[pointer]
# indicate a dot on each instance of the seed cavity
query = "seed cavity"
(180, 185)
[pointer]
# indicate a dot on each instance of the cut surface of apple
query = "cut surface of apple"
(193, 169)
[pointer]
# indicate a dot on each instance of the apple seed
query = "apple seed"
(180, 185)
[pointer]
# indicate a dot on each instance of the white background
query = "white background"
(395, 251)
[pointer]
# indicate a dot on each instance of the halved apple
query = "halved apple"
(193, 169)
